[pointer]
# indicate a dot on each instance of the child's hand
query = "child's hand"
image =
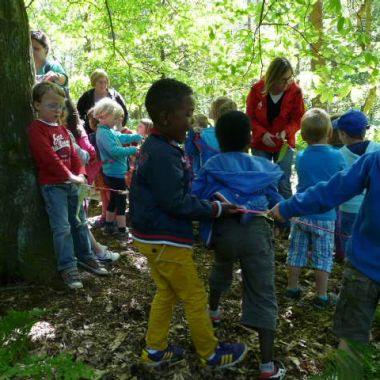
(275, 213)
(229, 209)
(78, 179)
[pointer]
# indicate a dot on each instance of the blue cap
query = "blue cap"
(353, 122)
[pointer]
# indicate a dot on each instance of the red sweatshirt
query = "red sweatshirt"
(53, 153)
(292, 110)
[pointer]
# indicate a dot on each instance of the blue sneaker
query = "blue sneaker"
(226, 355)
(173, 354)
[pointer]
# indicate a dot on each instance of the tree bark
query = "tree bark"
(26, 249)
(316, 19)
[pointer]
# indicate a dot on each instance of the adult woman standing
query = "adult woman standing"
(45, 69)
(101, 89)
(275, 106)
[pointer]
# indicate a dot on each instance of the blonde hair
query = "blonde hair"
(276, 70)
(109, 107)
(220, 106)
(201, 120)
(96, 75)
(315, 125)
(42, 88)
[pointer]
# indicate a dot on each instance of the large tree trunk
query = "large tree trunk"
(316, 19)
(26, 250)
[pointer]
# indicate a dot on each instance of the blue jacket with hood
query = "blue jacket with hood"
(238, 178)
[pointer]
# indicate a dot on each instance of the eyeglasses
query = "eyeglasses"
(286, 80)
(53, 106)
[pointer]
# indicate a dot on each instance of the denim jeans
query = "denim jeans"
(70, 231)
(284, 186)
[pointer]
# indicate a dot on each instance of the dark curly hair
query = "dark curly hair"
(233, 131)
(165, 95)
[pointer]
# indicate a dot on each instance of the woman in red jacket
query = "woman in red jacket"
(275, 106)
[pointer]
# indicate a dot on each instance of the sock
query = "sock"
(214, 313)
(324, 297)
(267, 367)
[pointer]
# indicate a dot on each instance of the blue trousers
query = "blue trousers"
(68, 225)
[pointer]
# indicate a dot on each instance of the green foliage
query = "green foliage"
(218, 47)
(362, 364)
(17, 362)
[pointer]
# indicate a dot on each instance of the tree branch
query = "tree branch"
(111, 25)
(30, 3)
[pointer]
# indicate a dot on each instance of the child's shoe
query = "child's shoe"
(71, 278)
(107, 255)
(321, 303)
(173, 354)
(94, 266)
(226, 355)
(294, 294)
(215, 317)
(277, 374)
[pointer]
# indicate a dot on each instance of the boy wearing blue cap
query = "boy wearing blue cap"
(351, 127)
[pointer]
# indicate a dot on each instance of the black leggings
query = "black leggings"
(118, 202)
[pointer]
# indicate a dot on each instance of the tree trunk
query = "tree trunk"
(364, 25)
(26, 250)
(316, 19)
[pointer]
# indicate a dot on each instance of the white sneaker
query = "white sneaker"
(108, 256)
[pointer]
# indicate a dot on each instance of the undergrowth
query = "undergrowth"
(16, 361)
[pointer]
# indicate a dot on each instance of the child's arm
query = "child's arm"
(108, 143)
(326, 195)
(128, 138)
(166, 178)
(44, 155)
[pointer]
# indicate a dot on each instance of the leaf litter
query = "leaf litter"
(104, 324)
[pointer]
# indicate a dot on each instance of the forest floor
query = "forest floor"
(104, 324)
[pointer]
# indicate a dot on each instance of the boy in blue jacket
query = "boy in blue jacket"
(162, 210)
(236, 177)
(351, 128)
(360, 291)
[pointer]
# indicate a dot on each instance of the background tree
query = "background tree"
(218, 47)
(25, 239)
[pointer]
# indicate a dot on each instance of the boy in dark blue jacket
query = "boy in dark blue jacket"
(162, 210)
(237, 177)
(360, 292)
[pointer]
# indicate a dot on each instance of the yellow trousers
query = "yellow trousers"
(175, 275)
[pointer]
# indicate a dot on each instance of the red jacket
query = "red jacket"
(53, 153)
(292, 109)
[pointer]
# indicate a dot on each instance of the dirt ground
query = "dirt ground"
(104, 323)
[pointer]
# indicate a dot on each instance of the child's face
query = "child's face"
(50, 107)
(107, 119)
(176, 124)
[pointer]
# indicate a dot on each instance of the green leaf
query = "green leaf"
(340, 24)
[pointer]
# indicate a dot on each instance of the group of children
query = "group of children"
(230, 193)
